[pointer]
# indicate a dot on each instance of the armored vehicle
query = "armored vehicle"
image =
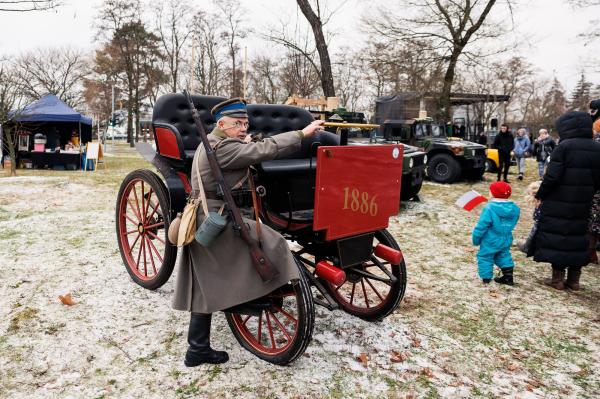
(448, 158)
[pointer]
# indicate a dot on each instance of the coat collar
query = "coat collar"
(219, 133)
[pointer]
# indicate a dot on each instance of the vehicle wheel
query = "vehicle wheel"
(281, 334)
(408, 191)
(476, 173)
(490, 166)
(142, 221)
(443, 168)
(372, 298)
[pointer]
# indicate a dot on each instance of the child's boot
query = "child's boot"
(506, 278)
(557, 281)
(573, 275)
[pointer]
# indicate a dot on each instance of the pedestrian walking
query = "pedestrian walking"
(569, 184)
(504, 142)
(542, 148)
(521, 149)
(493, 235)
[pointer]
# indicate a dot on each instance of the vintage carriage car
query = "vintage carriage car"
(331, 202)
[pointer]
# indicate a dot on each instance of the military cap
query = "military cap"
(234, 108)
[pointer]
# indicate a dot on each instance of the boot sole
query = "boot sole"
(194, 364)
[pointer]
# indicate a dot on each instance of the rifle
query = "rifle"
(261, 263)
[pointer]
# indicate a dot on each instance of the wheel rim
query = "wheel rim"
(276, 329)
(142, 229)
(363, 294)
(441, 169)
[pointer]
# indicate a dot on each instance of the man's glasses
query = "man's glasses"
(239, 125)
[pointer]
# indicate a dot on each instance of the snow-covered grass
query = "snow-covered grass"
(451, 337)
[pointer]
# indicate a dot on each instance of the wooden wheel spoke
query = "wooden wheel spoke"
(372, 276)
(137, 263)
(151, 256)
(286, 314)
(155, 236)
(131, 220)
(374, 289)
(155, 225)
(137, 215)
(154, 209)
(155, 250)
(352, 294)
(282, 328)
(149, 194)
(270, 327)
(259, 336)
(137, 204)
(362, 283)
(132, 231)
(143, 207)
(246, 320)
(134, 242)
(145, 259)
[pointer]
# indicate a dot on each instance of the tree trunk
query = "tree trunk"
(444, 100)
(317, 28)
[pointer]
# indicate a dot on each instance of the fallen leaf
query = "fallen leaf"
(66, 299)
(364, 359)
(416, 342)
(427, 372)
(398, 357)
(512, 367)
(494, 294)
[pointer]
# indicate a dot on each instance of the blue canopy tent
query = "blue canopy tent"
(49, 112)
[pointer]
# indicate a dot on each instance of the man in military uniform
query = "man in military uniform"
(222, 275)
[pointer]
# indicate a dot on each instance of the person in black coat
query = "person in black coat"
(482, 138)
(571, 179)
(504, 142)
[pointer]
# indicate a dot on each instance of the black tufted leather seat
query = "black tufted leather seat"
(172, 111)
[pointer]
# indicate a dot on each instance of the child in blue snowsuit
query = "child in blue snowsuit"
(493, 234)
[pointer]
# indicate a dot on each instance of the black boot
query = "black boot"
(199, 351)
(506, 278)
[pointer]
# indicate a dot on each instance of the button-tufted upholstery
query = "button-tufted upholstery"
(173, 111)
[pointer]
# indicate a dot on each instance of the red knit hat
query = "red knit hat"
(500, 189)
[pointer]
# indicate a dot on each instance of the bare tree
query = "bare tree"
(450, 26)
(208, 66)
(265, 83)
(173, 27)
(349, 78)
(10, 103)
(316, 23)
(28, 5)
(231, 13)
(59, 71)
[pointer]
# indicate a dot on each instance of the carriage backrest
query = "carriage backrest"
(174, 128)
(176, 135)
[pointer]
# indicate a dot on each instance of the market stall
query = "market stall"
(51, 134)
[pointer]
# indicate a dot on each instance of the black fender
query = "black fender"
(173, 178)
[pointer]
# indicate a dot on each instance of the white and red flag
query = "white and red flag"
(470, 200)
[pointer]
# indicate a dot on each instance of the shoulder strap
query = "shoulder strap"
(201, 187)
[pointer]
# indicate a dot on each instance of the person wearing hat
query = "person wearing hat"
(571, 179)
(493, 235)
(222, 275)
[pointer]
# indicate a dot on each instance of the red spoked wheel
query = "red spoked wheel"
(280, 334)
(369, 292)
(142, 221)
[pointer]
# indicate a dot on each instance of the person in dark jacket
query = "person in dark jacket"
(542, 148)
(572, 177)
(482, 138)
(504, 142)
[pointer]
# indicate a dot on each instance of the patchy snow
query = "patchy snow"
(457, 337)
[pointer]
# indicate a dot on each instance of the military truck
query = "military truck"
(448, 158)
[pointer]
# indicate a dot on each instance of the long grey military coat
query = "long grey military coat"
(222, 275)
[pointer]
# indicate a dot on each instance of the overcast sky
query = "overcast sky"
(550, 27)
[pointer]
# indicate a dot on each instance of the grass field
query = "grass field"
(456, 337)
